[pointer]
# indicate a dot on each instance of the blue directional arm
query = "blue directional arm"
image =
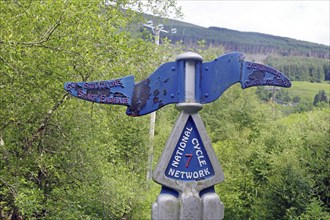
(166, 84)
(217, 76)
(161, 88)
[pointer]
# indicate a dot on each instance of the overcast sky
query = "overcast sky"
(301, 20)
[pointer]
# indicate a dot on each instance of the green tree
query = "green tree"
(301, 68)
(63, 158)
(296, 99)
(315, 210)
(264, 94)
(274, 166)
(298, 157)
(320, 97)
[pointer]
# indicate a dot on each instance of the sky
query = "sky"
(301, 20)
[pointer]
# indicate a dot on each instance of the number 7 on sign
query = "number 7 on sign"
(189, 159)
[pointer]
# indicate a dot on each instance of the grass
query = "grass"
(307, 90)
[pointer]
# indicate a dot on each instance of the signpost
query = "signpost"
(188, 168)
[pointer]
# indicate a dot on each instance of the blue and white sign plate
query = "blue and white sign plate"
(188, 157)
(189, 161)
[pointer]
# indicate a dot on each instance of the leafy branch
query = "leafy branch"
(45, 37)
(12, 189)
(44, 123)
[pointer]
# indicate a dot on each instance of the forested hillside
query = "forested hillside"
(300, 60)
(302, 68)
(247, 42)
(65, 158)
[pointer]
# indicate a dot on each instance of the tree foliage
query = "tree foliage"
(64, 158)
(275, 167)
(301, 68)
(320, 97)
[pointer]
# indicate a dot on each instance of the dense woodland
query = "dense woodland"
(302, 68)
(247, 42)
(65, 158)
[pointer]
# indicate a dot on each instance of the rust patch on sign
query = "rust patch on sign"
(140, 97)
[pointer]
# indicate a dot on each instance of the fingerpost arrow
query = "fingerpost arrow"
(167, 84)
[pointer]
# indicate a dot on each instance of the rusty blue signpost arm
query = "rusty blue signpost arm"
(223, 72)
(167, 84)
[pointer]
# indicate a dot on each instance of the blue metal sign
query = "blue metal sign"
(189, 160)
(167, 84)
